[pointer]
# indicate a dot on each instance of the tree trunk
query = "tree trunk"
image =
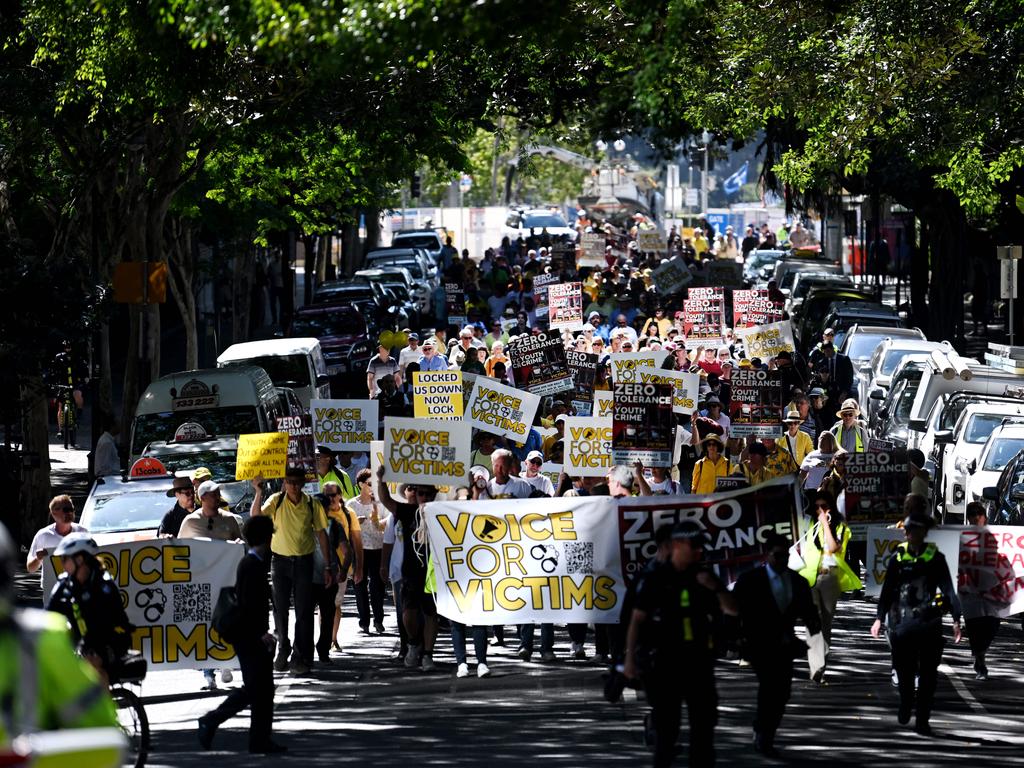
(946, 296)
(241, 295)
(35, 483)
(181, 267)
(372, 230)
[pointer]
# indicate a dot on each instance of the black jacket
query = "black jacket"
(253, 590)
(908, 602)
(106, 630)
(765, 628)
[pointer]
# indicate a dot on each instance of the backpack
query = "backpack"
(227, 615)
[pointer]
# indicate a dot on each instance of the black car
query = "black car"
(381, 307)
(1006, 499)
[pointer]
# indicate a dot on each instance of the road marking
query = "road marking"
(961, 689)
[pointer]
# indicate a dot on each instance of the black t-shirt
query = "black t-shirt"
(172, 521)
(680, 613)
(412, 569)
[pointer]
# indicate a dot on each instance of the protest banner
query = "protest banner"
(468, 381)
(502, 410)
(604, 402)
(766, 341)
(685, 386)
(643, 428)
(625, 364)
(426, 451)
(756, 404)
(882, 542)
(736, 523)
(344, 425)
(538, 363)
(301, 448)
(651, 241)
(263, 453)
(588, 446)
(552, 471)
(376, 461)
(437, 394)
(991, 571)
(540, 295)
(455, 303)
(169, 588)
(592, 246)
(753, 307)
(703, 316)
(565, 305)
(563, 256)
(877, 482)
(730, 483)
(724, 272)
(671, 276)
(583, 367)
(542, 560)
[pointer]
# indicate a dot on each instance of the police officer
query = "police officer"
(913, 617)
(676, 605)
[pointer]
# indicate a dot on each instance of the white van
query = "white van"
(205, 403)
(294, 363)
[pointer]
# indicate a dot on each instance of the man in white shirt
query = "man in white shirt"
(410, 354)
(62, 510)
(533, 476)
(502, 485)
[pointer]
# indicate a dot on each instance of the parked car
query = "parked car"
(217, 454)
(536, 221)
(841, 316)
(391, 274)
(425, 269)
(427, 239)
(296, 363)
(861, 341)
(382, 309)
(788, 267)
(884, 361)
(1005, 500)
(809, 326)
(343, 336)
(1003, 444)
(803, 282)
(890, 419)
(757, 261)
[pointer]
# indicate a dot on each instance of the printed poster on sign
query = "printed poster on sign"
(376, 462)
(508, 562)
(262, 454)
(592, 246)
(604, 402)
(651, 241)
(991, 573)
(426, 451)
(541, 283)
(724, 272)
(756, 404)
(583, 367)
(455, 303)
(736, 523)
(563, 256)
(753, 307)
(685, 386)
(625, 364)
(766, 341)
(588, 446)
(538, 364)
(877, 482)
(169, 588)
(882, 542)
(437, 394)
(643, 428)
(502, 410)
(702, 316)
(565, 305)
(344, 425)
(671, 276)
(301, 448)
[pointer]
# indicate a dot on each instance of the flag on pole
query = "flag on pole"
(733, 184)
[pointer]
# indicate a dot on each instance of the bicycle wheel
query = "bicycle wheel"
(131, 716)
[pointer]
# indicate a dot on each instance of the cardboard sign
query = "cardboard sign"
(756, 404)
(502, 410)
(642, 424)
(541, 283)
(625, 364)
(592, 246)
(263, 453)
(702, 316)
(671, 276)
(753, 307)
(455, 303)
(604, 402)
(588, 446)
(882, 543)
(344, 425)
(301, 448)
(724, 272)
(490, 558)
(651, 241)
(991, 571)
(538, 364)
(685, 386)
(437, 394)
(565, 305)
(877, 482)
(766, 341)
(583, 367)
(426, 451)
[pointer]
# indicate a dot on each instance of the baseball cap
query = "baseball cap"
(207, 486)
(816, 392)
(535, 455)
(202, 473)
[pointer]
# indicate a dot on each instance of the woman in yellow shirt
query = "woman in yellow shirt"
(797, 442)
(711, 466)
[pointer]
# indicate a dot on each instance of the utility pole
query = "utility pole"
(706, 138)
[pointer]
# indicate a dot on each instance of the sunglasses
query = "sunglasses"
(64, 509)
(209, 524)
(535, 461)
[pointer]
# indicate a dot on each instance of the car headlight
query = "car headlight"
(958, 493)
(361, 348)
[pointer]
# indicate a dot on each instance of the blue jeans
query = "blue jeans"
(459, 642)
(547, 637)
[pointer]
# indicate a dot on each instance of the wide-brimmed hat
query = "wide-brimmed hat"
(712, 437)
(792, 416)
(179, 484)
(849, 406)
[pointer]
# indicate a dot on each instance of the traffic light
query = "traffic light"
(415, 187)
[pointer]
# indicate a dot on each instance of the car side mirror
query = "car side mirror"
(1017, 492)
(322, 379)
(991, 493)
(944, 437)
(877, 394)
(972, 467)
(883, 414)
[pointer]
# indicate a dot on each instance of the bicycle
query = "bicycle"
(67, 415)
(131, 714)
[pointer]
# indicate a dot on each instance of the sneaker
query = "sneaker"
(547, 656)
(903, 716)
(211, 680)
(428, 662)
(482, 670)
(895, 679)
(412, 656)
(524, 654)
(298, 667)
(364, 628)
(980, 670)
(280, 663)
(577, 652)
(463, 670)
(379, 626)
(226, 676)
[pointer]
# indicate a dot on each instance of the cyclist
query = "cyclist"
(43, 684)
(88, 598)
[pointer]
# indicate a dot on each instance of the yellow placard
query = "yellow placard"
(264, 454)
(437, 395)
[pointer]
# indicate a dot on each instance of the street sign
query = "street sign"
(1008, 278)
(692, 197)
(1009, 252)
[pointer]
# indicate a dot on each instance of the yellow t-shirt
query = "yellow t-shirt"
(294, 524)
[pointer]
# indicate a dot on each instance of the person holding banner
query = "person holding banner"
(343, 535)
(62, 511)
(981, 630)
(913, 618)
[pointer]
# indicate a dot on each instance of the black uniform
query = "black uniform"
(913, 619)
(677, 659)
(99, 625)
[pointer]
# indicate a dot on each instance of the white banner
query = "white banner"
(427, 451)
(685, 386)
(991, 574)
(529, 561)
(766, 341)
(588, 446)
(502, 410)
(624, 364)
(169, 588)
(344, 425)
(882, 543)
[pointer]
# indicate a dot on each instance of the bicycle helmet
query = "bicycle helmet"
(79, 543)
(8, 565)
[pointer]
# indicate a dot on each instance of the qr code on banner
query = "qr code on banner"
(579, 557)
(192, 603)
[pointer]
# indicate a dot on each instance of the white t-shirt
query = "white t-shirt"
(47, 538)
(515, 488)
(541, 482)
(393, 536)
(408, 355)
(373, 536)
(666, 486)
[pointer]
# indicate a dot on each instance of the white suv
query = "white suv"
(1005, 442)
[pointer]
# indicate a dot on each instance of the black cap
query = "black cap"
(691, 531)
(323, 450)
(918, 521)
(295, 472)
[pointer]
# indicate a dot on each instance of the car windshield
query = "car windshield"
(411, 264)
(150, 427)
(542, 220)
(344, 321)
(127, 511)
(901, 416)
(283, 370)
(351, 292)
(803, 287)
(981, 426)
(1000, 453)
(417, 241)
(892, 360)
(220, 463)
(863, 345)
